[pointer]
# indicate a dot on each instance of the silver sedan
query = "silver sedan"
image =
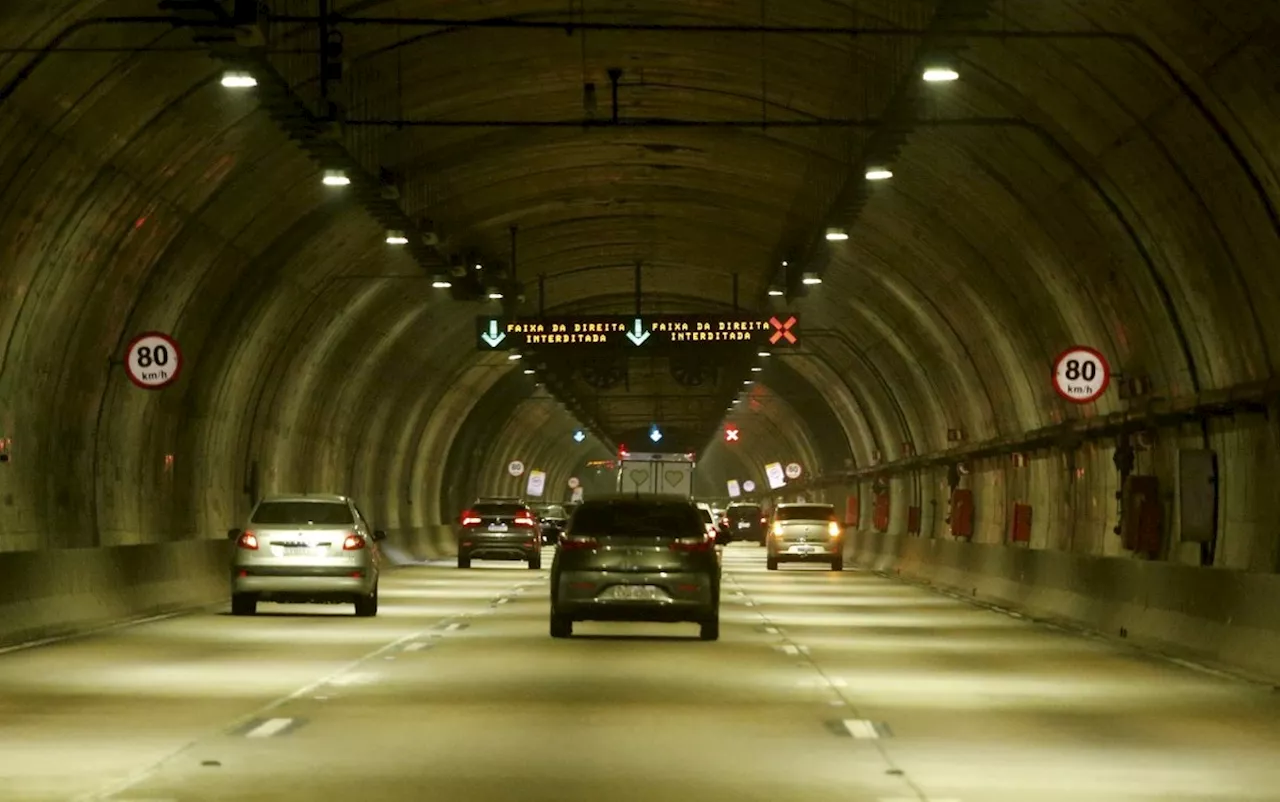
(306, 548)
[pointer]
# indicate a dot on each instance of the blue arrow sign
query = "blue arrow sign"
(654, 433)
(493, 337)
(579, 436)
(638, 335)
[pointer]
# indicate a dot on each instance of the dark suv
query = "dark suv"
(745, 522)
(552, 518)
(636, 558)
(500, 530)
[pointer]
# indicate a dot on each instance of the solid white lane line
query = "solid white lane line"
(270, 727)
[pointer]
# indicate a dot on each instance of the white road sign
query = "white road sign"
(774, 473)
(153, 360)
(794, 470)
(577, 495)
(1081, 374)
(536, 484)
(734, 489)
(749, 486)
(516, 468)
(574, 484)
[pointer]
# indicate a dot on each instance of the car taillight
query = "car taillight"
(692, 544)
(763, 520)
(777, 529)
(248, 540)
(524, 520)
(574, 543)
(352, 543)
(469, 518)
(833, 529)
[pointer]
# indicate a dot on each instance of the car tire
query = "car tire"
(244, 604)
(561, 625)
(535, 563)
(367, 606)
(464, 561)
(837, 564)
(771, 563)
(710, 629)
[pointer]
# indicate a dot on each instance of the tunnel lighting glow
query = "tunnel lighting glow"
(810, 278)
(764, 353)
(879, 174)
(397, 238)
(748, 381)
(495, 296)
(528, 371)
(514, 357)
(441, 284)
(756, 370)
(238, 80)
(938, 75)
(335, 178)
(784, 262)
(479, 267)
(774, 291)
(837, 235)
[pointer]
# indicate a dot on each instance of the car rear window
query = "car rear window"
(807, 512)
(638, 519)
(744, 511)
(552, 511)
(499, 508)
(302, 512)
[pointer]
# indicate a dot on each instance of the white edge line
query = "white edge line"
(268, 728)
(131, 622)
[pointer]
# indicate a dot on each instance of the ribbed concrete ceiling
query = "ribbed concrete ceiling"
(1116, 186)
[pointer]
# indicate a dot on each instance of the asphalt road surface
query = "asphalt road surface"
(824, 687)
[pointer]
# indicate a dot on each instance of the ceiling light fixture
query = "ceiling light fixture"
(495, 296)
(837, 234)
(442, 284)
(811, 278)
(514, 357)
(879, 174)
(397, 238)
(940, 75)
(335, 178)
(764, 353)
(238, 80)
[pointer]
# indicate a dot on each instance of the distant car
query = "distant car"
(552, 518)
(746, 522)
(306, 548)
(499, 530)
(805, 533)
(636, 558)
(708, 519)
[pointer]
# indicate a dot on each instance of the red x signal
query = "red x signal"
(731, 434)
(782, 330)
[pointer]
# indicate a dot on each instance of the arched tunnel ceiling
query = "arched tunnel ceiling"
(1114, 183)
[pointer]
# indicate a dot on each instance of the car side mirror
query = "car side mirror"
(233, 534)
(379, 535)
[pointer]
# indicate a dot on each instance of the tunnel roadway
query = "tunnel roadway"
(826, 687)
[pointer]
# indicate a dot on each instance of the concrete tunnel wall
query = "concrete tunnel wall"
(1137, 215)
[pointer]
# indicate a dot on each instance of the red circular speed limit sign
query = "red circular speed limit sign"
(153, 360)
(1081, 374)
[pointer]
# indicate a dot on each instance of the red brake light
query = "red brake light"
(522, 520)
(352, 543)
(248, 540)
(692, 544)
(469, 518)
(572, 543)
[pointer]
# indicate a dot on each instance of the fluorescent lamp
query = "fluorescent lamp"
(495, 296)
(238, 80)
(756, 369)
(397, 238)
(335, 178)
(442, 284)
(939, 75)
(764, 353)
(774, 291)
(837, 235)
(811, 278)
(879, 174)
(514, 357)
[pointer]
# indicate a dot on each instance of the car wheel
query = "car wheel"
(244, 604)
(367, 606)
(464, 561)
(837, 564)
(710, 629)
(561, 626)
(771, 563)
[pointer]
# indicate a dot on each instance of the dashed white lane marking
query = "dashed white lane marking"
(771, 630)
(790, 649)
(837, 682)
(503, 600)
(861, 728)
(353, 678)
(271, 726)
(454, 627)
(415, 647)
(915, 799)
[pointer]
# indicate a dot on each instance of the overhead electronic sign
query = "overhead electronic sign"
(636, 332)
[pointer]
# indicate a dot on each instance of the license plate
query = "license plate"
(743, 525)
(805, 549)
(497, 527)
(636, 593)
(299, 551)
